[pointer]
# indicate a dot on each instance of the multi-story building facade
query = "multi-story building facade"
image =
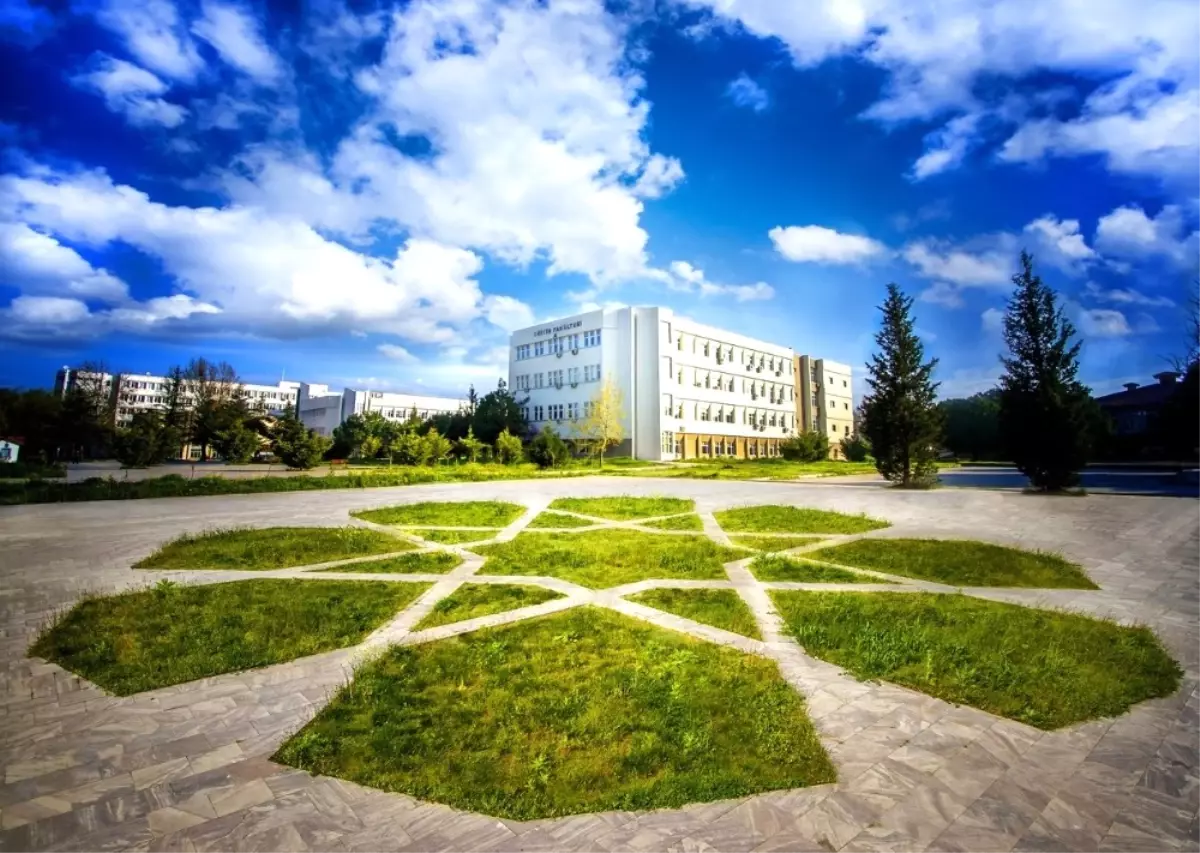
(689, 390)
(825, 399)
(323, 410)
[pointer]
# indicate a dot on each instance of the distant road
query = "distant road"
(1117, 480)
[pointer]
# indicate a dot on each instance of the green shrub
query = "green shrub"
(856, 448)
(808, 446)
(409, 449)
(299, 447)
(547, 450)
(437, 446)
(508, 448)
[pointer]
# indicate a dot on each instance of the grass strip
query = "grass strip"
(775, 567)
(792, 519)
(424, 562)
(270, 548)
(624, 508)
(446, 514)
(721, 608)
(472, 600)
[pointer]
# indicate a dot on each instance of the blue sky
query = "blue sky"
(374, 194)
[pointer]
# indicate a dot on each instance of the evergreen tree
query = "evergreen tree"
(899, 416)
(1046, 414)
(497, 411)
(297, 446)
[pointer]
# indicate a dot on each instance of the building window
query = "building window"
(573, 375)
(522, 352)
(537, 413)
(706, 447)
(573, 411)
(590, 339)
(667, 445)
(847, 430)
(538, 378)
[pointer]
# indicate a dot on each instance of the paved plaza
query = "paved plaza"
(187, 767)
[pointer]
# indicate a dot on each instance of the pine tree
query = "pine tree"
(899, 416)
(1046, 414)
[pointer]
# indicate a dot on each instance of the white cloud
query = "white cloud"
(1059, 243)
(1103, 323)
(268, 276)
(992, 320)
(131, 91)
(1128, 232)
(153, 34)
(746, 93)
(61, 318)
(507, 312)
(396, 353)
(816, 244)
(37, 263)
(685, 278)
(659, 176)
(47, 310)
(937, 55)
(1126, 296)
(234, 34)
(938, 260)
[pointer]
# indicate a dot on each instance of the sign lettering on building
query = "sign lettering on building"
(561, 327)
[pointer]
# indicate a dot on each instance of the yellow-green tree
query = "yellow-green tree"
(602, 424)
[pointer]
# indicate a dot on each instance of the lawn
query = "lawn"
(773, 543)
(472, 600)
(581, 711)
(624, 508)
(270, 548)
(721, 608)
(791, 519)
(603, 558)
(959, 562)
(170, 634)
(425, 562)
(446, 514)
(755, 469)
(558, 519)
(775, 567)
(677, 522)
(1044, 668)
(453, 537)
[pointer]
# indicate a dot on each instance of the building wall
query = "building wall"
(323, 410)
(133, 393)
(825, 399)
(677, 378)
(318, 408)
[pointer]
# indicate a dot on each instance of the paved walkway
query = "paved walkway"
(186, 768)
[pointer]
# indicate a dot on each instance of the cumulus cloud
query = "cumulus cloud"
(396, 353)
(37, 263)
(507, 312)
(1103, 323)
(659, 176)
(1145, 119)
(992, 320)
(131, 91)
(270, 276)
(744, 92)
(681, 276)
(816, 244)
(1127, 232)
(1126, 296)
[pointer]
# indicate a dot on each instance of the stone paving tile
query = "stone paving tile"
(187, 767)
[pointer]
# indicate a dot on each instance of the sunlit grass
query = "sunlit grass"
(624, 508)
(581, 711)
(773, 543)
(446, 514)
(558, 519)
(676, 522)
(721, 608)
(775, 567)
(425, 562)
(472, 600)
(453, 537)
(791, 519)
(270, 548)
(1044, 668)
(170, 634)
(959, 562)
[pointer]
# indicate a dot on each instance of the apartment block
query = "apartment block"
(690, 390)
(323, 410)
(825, 399)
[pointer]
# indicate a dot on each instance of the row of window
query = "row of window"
(558, 412)
(673, 443)
(555, 378)
(702, 410)
(817, 381)
(723, 353)
(774, 392)
(557, 346)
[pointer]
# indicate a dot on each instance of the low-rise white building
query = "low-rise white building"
(323, 410)
(689, 390)
(141, 392)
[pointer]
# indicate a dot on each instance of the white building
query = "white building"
(142, 392)
(826, 394)
(323, 410)
(689, 390)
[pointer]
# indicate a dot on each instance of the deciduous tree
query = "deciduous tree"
(602, 425)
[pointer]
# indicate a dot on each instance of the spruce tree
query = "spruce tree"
(899, 415)
(1046, 414)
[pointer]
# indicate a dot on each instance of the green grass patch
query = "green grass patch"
(776, 567)
(1040, 667)
(453, 537)
(624, 508)
(755, 469)
(773, 543)
(558, 519)
(472, 600)
(677, 522)
(446, 514)
(791, 519)
(270, 548)
(721, 608)
(171, 634)
(603, 558)
(425, 562)
(581, 711)
(959, 562)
